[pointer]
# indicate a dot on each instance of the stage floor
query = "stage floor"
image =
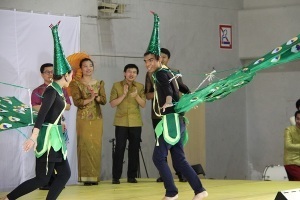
(148, 189)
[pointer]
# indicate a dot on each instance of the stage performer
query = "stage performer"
(36, 101)
(149, 91)
(166, 94)
(47, 135)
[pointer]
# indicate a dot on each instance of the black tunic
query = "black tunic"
(164, 89)
(52, 105)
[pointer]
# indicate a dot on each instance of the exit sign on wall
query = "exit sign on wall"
(225, 33)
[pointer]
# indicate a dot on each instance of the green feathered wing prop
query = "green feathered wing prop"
(285, 53)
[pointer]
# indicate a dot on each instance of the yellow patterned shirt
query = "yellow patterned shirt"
(292, 146)
(128, 111)
(80, 92)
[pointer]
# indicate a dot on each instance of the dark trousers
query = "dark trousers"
(160, 154)
(154, 124)
(41, 179)
(293, 172)
(133, 135)
(51, 180)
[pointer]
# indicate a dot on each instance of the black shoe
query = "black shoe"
(115, 181)
(159, 179)
(182, 179)
(131, 180)
(87, 183)
(46, 187)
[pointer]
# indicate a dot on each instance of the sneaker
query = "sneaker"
(87, 183)
(131, 180)
(115, 181)
(159, 179)
(46, 187)
(181, 178)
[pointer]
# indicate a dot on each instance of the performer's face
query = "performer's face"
(151, 63)
(164, 59)
(297, 119)
(68, 78)
(47, 75)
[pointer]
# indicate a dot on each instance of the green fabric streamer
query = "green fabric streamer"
(287, 52)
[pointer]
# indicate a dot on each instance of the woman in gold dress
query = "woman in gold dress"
(88, 94)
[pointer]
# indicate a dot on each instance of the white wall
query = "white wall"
(263, 4)
(271, 96)
(60, 7)
(261, 30)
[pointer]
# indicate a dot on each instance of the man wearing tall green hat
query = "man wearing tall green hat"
(47, 138)
(149, 91)
(171, 131)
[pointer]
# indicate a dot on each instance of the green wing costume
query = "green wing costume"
(285, 53)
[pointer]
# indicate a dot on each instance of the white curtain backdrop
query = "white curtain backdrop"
(25, 44)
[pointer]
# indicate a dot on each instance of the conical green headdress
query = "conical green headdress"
(154, 44)
(61, 65)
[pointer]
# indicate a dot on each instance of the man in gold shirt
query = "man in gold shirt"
(128, 96)
(292, 150)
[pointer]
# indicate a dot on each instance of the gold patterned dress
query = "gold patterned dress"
(89, 126)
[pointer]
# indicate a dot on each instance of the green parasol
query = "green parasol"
(287, 52)
(15, 114)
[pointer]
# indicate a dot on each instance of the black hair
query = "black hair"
(298, 104)
(129, 66)
(296, 113)
(58, 77)
(85, 59)
(45, 65)
(148, 53)
(165, 51)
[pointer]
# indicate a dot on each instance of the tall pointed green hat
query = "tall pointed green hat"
(154, 44)
(61, 65)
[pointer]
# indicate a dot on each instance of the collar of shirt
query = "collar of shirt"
(44, 85)
(165, 67)
(124, 82)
